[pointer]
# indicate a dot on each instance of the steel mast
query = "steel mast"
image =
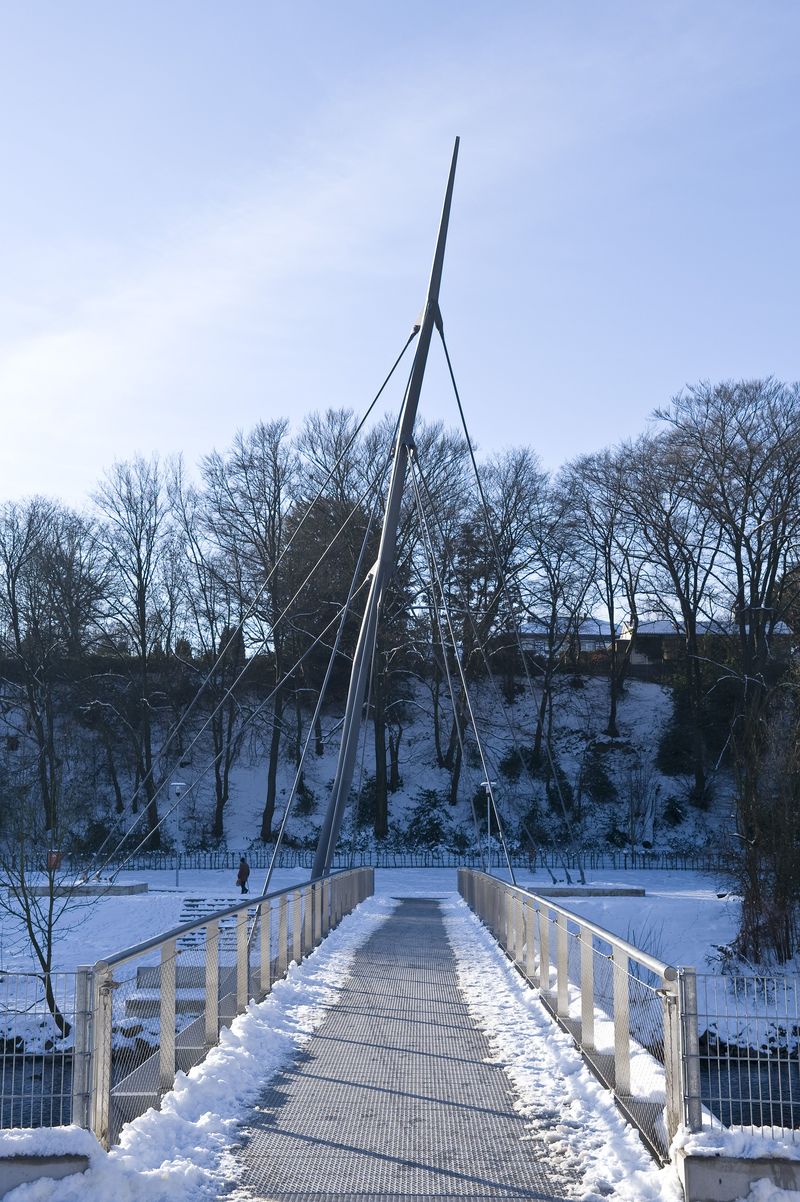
(384, 564)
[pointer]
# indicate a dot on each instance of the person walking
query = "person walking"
(244, 872)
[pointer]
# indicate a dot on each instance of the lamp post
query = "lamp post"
(487, 784)
(177, 790)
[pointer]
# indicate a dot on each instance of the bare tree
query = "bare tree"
(598, 486)
(51, 587)
(681, 545)
(248, 492)
(554, 591)
(745, 439)
(213, 646)
(135, 539)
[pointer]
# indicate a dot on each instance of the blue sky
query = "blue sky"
(215, 213)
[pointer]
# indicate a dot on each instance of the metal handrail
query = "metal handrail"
(667, 972)
(653, 1040)
(118, 1083)
(186, 928)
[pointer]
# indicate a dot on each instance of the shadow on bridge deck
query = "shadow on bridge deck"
(395, 1095)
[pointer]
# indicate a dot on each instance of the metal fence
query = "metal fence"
(39, 1018)
(556, 861)
(676, 1047)
(747, 1067)
(137, 1017)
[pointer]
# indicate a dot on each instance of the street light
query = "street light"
(487, 784)
(176, 792)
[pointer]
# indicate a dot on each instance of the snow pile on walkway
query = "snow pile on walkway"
(184, 1151)
(558, 1096)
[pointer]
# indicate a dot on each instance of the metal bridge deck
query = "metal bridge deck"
(394, 1096)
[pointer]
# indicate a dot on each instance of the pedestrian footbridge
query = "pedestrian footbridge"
(398, 1092)
(396, 1095)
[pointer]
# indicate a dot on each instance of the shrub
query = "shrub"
(517, 759)
(674, 813)
(596, 780)
(427, 824)
(674, 755)
(615, 835)
(305, 802)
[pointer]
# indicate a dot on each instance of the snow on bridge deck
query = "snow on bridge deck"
(397, 1094)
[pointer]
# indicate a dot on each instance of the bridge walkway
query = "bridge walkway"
(396, 1096)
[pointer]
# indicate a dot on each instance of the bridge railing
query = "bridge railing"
(160, 1006)
(621, 1005)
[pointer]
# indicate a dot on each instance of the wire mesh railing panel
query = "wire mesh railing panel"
(159, 1008)
(749, 1052)
(135, 1036)
(37, 1049)
(613, 1000)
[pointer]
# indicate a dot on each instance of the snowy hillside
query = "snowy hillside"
(613, 794)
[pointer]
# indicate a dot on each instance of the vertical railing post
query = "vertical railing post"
(326, 906)
(530, 941)
(242, 962)
(690, 1048)
(166, 1016)
(283, 936)
(297, 927)
(102, 1026)
(308, 918)
(316, 893)
(265, 950)
(212, 982)
(670, 1011)
(544, 950)
(562, 967)
(80, 1046)
(622, 1029)
(587, 989)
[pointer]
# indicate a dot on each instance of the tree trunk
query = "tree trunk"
(395, 780)
(437, 730)
(381, 825)
(272, 769)
(319, 744)
(455, 775)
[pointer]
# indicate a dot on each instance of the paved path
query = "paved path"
(393, 1096)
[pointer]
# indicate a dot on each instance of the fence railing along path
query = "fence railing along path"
(138, 1016)
(677, 1047)
(590, 859)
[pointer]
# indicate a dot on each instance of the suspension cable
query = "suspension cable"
(445, 661)
(485, 659)
(250, 718)
(353, 590)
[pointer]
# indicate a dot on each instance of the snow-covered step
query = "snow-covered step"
(187, 976)
(146, 1002)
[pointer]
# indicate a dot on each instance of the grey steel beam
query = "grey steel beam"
(384, 564)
